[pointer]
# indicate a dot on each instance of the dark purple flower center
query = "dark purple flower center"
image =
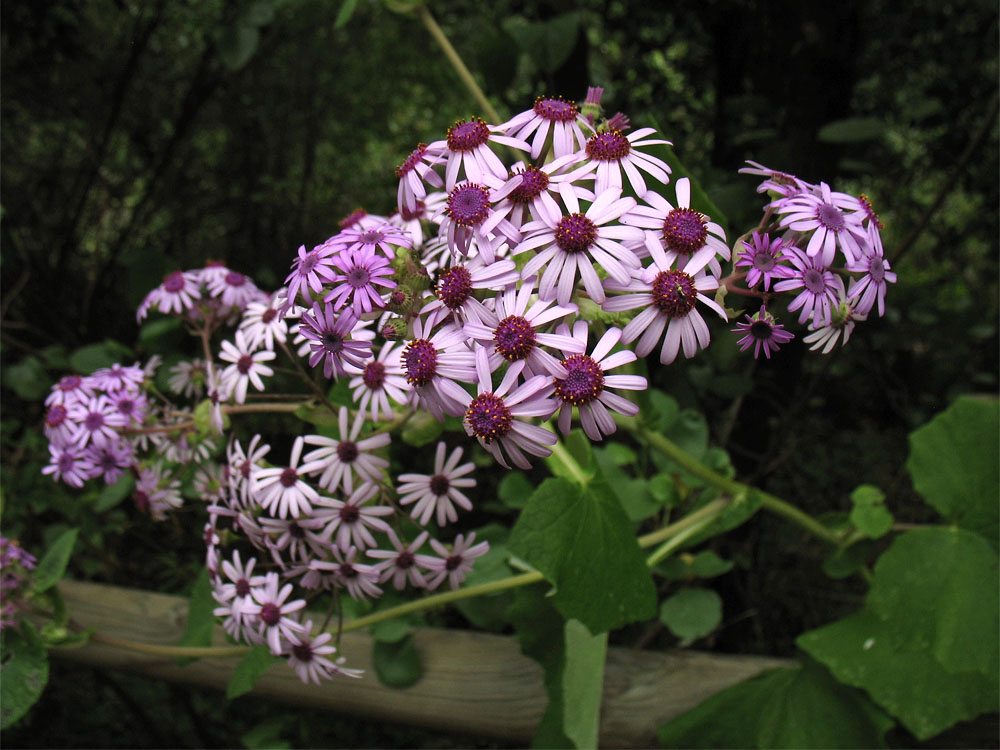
(514, 337)
(308, 263)
(70, 383)
(358, 277)
(352, 218)
(268, 315)
(56, 416)
(288, 477)
(830, 217)
(419, 362)
(174, 282)
(452, 562)
(813, 280)
(468, 204)
(684, 230)
(412, 160)
(674, 293)
(555, 109)
(373, 236)
(270, 614)
(764, 259)
(347, 571)
(610, 145)
(245, 469)
(347, 451)
(242, 587)
(533, 183)
(876, 269)
(418, 212)
(575, 233)
(332, 342)
(296, 531)
(488, 417)
(440, 485)
(468, 135)
(302, 651)
(350, 513)
(244, 363)
(584, 383)
(66, 461)
(454, 287)
(374, 375)
(94, 421)
(761, 330)
(126, 406)
(235, 279)
(405, 559)
(108, 461)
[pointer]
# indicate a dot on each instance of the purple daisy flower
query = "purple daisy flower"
(307, 655)
(409, 219)
(271, 608)
(111, 460)
(493, 417)
(870, 289)
(535, 189)
(234, 290)
(571, 245)
(178, 292)
(69, 390)
(781, 183)
(240, 468)
(59, 428)
(835, 219)
(308, 272)
(437, 494)
(280, 491)
(469, 223)
(669, 296)
(611, 152)
(337, 461)
(400, 564)
(360, 580)
(682, 230)
(115, 378)
(513, 330)
(155, 494)
(132, 404)
(378, 381)
(351, 520)
(70, 464)
(586, 384)
(454, 564)
(466, 149)
(298, 537)
(561, 118)
(96, 420)
(368, 240)
(433, 363)
(763, 258)
(415, 170)
(262, 323)
(454, 288)
(821, 288)
(246, 367)
(362, 272)
(330, 339)
(762, 332)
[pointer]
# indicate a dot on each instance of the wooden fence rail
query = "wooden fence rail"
(475, 683)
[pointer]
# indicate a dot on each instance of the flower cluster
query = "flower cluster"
(812, 227)
(15, 563)
(198, 294)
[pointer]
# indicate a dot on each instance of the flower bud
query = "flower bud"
(394, 329)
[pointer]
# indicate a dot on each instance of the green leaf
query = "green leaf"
(851, 130)
(548, 43)
(953, 462)
(397, 664)
(320, 416)
(236, 45)
(92, 357)
(514, 490)
(112, 494)
(909, 684)
(633, 494)
(27, 379)
(692, 613)
(250, 669)
(267, 734)
(422, 428)
(582, 541)
(781, 708)
(663, 488)
(659, 411)
(200, 620)
(621, 455)
(741, 510)
(152, 332)
(936, 589)
(53, 564)
(24, 675)
(582, 683)
(579, 447)
(705, 564)
(874, 521)
(344, 14)
(844, 562)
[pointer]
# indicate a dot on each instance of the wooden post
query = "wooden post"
(475, 683)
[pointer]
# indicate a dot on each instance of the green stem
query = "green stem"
(562, 456)
(179, 652)
(456, 62)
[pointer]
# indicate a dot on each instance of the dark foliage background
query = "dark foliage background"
(140, 137)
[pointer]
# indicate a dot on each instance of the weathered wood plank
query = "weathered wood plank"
(475, 683)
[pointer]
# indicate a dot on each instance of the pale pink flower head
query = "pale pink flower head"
(834, 219)
(309, 655)
(454, 564)
(466, 149)
(353, 520)
(281, 491)
(246, 367)
(415, 170)
(337, 461)
(550, 115)
(437, 494)
(272, 610)
(611, 152)
(380, 380)
(400, 563)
